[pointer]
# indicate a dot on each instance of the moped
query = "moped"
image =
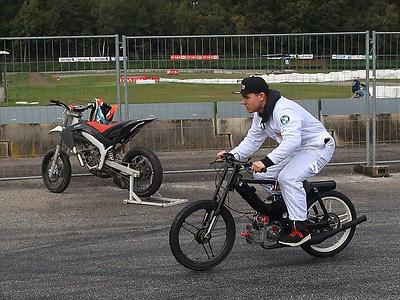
(203, 233)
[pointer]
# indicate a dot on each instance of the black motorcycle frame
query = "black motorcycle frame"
(277, 208)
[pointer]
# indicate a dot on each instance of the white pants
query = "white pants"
(292, 171)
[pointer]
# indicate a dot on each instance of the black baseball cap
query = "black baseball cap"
(253, 84)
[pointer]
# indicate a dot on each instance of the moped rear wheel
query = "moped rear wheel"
(61, 176)
(190, 244)
(341, 210)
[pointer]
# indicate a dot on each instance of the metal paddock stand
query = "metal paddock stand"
(135, 199)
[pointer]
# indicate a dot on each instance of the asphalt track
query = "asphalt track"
(86, 244)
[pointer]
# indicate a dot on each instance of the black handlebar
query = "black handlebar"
(78, 108)
(233, 161)
(59, 103)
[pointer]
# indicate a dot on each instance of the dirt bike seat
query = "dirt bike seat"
(125, 130)
(112, 130)
(103, 128)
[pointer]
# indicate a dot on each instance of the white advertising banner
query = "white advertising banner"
(88, 59)
(349, 56)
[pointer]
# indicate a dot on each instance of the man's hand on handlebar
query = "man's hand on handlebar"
(258, 167)
(220, 153)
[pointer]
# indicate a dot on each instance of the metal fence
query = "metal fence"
(385, 127)
(264, 52)
(79, 68)
(37, 69)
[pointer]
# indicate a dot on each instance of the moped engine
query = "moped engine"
(262, 231)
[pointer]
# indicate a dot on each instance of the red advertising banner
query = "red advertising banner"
(194, 57)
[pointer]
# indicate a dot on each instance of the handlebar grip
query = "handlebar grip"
(59, 103)
(263, 170)
(228, 155)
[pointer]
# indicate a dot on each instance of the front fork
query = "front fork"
(54, 161)
(216, 213)
(212, 224)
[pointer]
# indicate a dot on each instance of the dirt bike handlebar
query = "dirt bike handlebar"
(59, 103)
(78, 108)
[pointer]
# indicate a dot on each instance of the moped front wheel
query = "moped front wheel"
(61, 177)
(189, 240)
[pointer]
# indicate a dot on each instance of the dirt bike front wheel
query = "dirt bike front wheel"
(151, 172)
(188, 239)
(61, 176)
(341, 210)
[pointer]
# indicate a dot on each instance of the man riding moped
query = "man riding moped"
(305, 147)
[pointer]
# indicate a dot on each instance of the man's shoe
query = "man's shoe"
(295, 238)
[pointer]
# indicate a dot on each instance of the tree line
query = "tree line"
(192, 17)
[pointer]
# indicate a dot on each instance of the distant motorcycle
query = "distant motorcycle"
(99, 148)
(203, 233)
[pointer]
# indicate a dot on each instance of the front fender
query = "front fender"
(56, 129)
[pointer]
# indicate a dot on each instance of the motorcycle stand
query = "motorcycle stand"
(135, 199)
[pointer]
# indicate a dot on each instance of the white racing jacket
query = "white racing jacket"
(293, 127)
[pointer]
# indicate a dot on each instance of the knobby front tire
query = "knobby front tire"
(186, 237)
(62, 173)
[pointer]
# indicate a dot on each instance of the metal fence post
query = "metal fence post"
(117, 71)
(373, 102)
(367, 103)
(125, 59)
(215, 113)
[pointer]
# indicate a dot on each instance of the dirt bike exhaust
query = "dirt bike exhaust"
(323, 236)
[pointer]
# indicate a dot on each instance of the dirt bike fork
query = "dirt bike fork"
(54, 160)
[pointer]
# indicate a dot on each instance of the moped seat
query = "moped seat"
(322, 186)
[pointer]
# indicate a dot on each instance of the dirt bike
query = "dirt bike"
(99, 148)
(203, 233)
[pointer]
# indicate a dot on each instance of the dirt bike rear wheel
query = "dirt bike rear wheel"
(62, 173)
(189, 243)
(342, 210)
(151, 172)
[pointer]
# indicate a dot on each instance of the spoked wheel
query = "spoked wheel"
(61, 177)
(341, 210)
(149, 166)
(188, 239)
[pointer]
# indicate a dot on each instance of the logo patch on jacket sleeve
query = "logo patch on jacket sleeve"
(285, 119)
